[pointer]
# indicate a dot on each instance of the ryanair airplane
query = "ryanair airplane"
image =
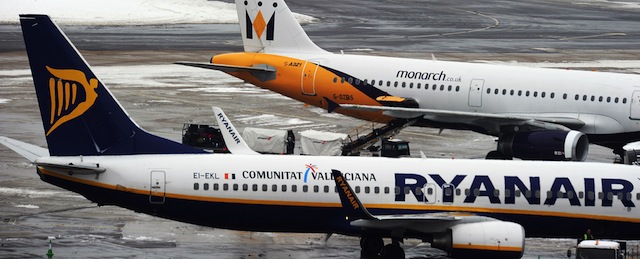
(477, 208)
(536, 113)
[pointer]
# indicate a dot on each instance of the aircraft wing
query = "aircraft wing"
(29, 151)
(475, 118)
(359, 216)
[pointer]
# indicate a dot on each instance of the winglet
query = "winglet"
(231, 136)
(350, 202)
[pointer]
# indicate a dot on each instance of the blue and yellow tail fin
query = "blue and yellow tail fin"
(79, 114)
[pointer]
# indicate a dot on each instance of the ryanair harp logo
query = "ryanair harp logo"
(71, 95)
(258, 23)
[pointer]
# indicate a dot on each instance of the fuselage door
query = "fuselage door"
(429, 193)
(308, 78)
(448, 193)
(157, 187)
(475, 92)
(635, 106)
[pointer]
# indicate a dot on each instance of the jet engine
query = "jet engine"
(490, 239)
(557, 145)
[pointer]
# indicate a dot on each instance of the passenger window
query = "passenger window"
(584, 97)
(326, 188)
(624, 100)
(496, 91)
(380, 83)
(527, 193)
(407, 190)
(418, 191)
(526, 94)
(205, 186)
(294, 188)
(476, 192)
(609, 99)
(284, 188)
(376, 189)
(441, 87)
(467, 192)
(418, 85)
(496, 193)
(367, 189)
(600, 99)
(504, 91)
(570, 194)
(410, 85)
(397, 190)
(511, 92)
(254, 187)
(357, 189)
(600, 195)
(449, 88)
(580, 194)
(564, 96)
(215, 186)
(638, 196)
(357, 81)
(305, 188)
(488, 90)
(537, 193)
(386, 190)
(196, 186)
(434, 87)
(518, 194)
(342, 80)
(388, 83)
(535, 94)
(429, 191)
(316, 188)
(395, 84)
(235, 186)
(519, 92)
(265, 188)
(542, 94)
(274, 188)
(577, 97)
(404, 84)
(225, 187)
(335, 79)
(553, 95)
(457, 88)
(507, 193)
(591, 195)
(616, 100)
(350, 80)
(458, 192)
(593, 98)
(245, 187)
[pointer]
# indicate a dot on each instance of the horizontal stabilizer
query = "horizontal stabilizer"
(72, 168)
(228, 68)
(29, 151)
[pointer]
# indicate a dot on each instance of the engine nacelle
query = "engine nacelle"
(490, 239)
(557, 145)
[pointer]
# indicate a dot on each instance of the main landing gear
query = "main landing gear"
(373, 247)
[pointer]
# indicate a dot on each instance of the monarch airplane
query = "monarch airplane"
(465, 207)
(536, 113)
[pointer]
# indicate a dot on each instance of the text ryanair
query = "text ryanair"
(233, 134)
(298, 175)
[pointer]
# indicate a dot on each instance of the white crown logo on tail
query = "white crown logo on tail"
(71, 95)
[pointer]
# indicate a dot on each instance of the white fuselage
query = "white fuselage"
(522, 192)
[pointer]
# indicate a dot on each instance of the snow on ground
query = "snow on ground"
(125, 12)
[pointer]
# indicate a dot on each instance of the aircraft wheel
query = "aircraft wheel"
(371, 245)
(392, 251)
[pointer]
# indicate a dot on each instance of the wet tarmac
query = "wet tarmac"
(134, 62)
